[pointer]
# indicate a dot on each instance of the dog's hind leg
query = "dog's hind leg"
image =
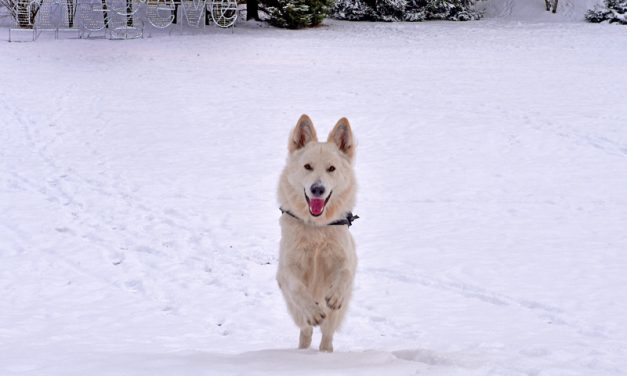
(328, 328)
(326, 344)
(305, 338)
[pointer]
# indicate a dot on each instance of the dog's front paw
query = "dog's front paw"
(314, 315)
(334, 299)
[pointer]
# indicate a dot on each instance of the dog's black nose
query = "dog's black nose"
(317, 189)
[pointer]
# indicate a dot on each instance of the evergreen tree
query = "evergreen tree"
(612, 11)
(355, 10)
(405, 10)
(453, 10)
(296, 14)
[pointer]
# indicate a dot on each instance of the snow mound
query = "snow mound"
(262, 362)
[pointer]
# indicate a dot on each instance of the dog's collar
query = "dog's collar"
(348, 220)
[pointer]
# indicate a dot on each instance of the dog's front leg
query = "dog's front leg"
(341, 283)
(296, 292)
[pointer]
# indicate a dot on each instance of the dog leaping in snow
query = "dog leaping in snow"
(317, 258)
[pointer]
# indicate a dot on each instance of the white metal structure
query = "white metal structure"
(46, 18)
(194, 12)
(4, 10)
(124, 22)
(116, 19)
(223, 12)
(23, 20)
(93, 18)
(160, 13)
(67, 21)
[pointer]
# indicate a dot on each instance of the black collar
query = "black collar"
(348, 220)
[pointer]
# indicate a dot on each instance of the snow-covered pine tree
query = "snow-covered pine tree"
(354, 10)
(612, 11)
(296, 14)
(405, 10)
(391, 10)
(452, 10)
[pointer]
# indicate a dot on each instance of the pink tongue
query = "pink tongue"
(316, 205)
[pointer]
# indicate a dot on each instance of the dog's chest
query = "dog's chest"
(316, 252)
(314, 265)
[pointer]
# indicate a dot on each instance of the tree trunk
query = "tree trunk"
(25, 17)
(252, 10)
(105, 14)
(129, 10)
(70, 13)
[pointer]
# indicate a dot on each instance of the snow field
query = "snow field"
(139, 226)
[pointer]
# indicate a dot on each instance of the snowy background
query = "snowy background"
(139, 226)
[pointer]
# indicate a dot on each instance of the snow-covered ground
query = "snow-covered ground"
(535, 11)
(139, 228)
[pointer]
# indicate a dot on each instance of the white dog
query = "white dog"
(317, 258)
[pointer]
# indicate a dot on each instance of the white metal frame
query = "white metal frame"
(223, 12)
(160, 13)
(22, 13)
(47, 18)
(193, 13)
(65, 15)
(118, 20)
(92, 17)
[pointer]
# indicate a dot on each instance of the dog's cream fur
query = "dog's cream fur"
(317, 262)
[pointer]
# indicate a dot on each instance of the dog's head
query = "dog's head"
(318, 183)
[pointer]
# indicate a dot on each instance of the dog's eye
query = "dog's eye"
(308, 167)
(331, 169)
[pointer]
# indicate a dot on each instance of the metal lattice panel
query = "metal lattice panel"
(92, 17)
(194, 12)
(67, 21)
(47, 17)
(119, 19)
(22, 12)
(224, 12)
(124, 20)
(160, 13)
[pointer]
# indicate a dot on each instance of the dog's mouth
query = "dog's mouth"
(317, 204)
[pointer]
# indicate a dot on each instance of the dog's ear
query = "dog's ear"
(302, 134)
(342, 136)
